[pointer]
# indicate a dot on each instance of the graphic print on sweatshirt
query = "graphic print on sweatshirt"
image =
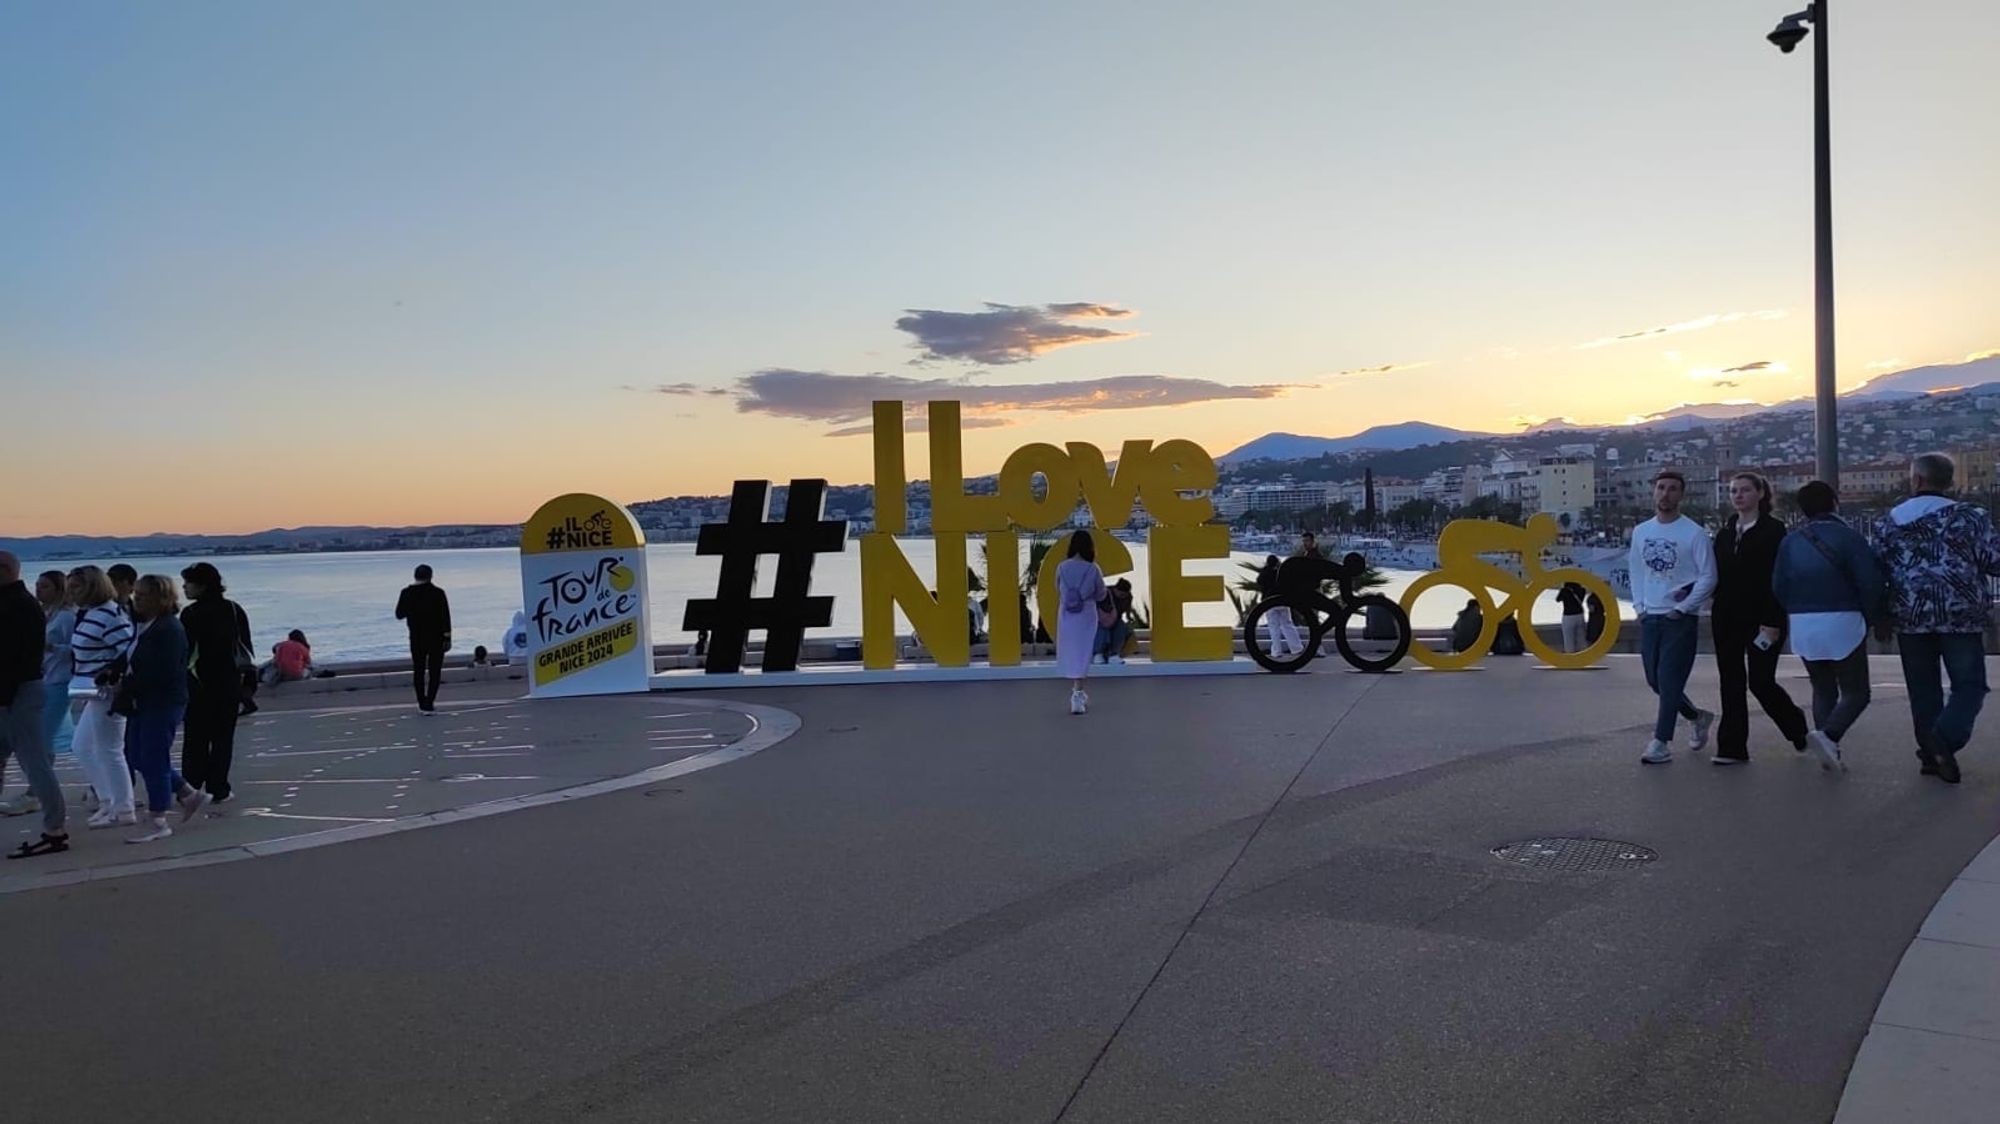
(1661, 555)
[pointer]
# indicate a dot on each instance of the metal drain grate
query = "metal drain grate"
(1575, 854)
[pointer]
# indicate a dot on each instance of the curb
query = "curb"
(769, 726)
(1932, 1053)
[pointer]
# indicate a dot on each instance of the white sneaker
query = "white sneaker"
(1828, 749)
(191, 804)
(156, 830)
(1698, 736)
(1076, 702)
(1721, 760)
(1656, 753)
(1118, 660)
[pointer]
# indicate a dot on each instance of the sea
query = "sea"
(345, 602)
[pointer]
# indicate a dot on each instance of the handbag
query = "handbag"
(246, 660)
(125, 698)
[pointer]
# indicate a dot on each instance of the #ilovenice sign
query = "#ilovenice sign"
(583, 579)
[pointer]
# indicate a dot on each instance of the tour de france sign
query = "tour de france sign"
(583, 582)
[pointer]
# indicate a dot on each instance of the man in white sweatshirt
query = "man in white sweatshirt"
(1673, 575)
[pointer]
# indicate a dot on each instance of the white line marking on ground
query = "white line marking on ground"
(261, 814)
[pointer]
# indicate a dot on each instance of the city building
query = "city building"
(1566, 487)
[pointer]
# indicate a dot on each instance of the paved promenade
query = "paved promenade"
(1245, 898)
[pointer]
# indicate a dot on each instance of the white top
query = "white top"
(1667, 558)
(1827, 636)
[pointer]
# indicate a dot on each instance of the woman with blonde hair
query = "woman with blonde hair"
(155, 691)
(98, 647)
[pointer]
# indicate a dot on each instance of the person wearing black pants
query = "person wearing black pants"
(427, 611)
(218, 637)
(1749, 623)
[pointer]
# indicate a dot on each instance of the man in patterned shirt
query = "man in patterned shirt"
(1938, 553)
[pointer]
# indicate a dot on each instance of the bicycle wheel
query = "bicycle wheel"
(1378, 661)
(1549, 582)
(1445, 659)
(1255, 641)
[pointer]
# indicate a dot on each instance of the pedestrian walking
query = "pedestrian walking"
(1571, 598)
(1830, 584)
(1672, 563)
(1278, 618)
(22, 638)
(59, 621)
(1938, 553)
(123, 578)
(1079, 587)
(427, 611)
(1748, 623)
(99, 647)
(154, 694)
(219, 648)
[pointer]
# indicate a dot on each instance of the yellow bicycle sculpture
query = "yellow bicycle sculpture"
(1460, 564)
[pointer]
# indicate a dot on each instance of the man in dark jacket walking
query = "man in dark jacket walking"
(1938, 554)
(22, 704)
(427, 611)
(218, 636)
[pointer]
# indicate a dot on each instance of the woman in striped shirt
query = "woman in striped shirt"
(99, 646)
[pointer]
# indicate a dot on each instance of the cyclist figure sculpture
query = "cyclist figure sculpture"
(1299, 581)
(1460, 564)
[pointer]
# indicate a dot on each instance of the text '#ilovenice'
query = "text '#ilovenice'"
(586, 651)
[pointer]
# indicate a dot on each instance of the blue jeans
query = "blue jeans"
(21, 734)
(149, 743)
(1111, 640)
(1666, 650)
(1943, 725)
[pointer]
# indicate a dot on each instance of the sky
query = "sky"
(399, 263)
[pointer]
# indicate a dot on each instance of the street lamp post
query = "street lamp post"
(1826, 431)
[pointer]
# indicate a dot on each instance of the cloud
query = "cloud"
(1384, 369)
(1721, 376)
(844, 400)
(920, 424)
(1525, 421)
(1086, 310)
(1006, 333)
(1697, 324)
(1976, 356)
(687, 390)
(1885, 364)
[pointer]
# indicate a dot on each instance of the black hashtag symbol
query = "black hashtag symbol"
(556, 538)
(731, 615)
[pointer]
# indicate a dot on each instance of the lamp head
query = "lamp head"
(1790, 32)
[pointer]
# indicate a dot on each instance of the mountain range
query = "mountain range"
(1911, 383)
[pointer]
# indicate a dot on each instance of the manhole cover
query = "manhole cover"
(1575, 854)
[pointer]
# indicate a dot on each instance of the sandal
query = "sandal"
(46, 845)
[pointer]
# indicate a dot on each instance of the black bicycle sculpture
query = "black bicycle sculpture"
(1304, 607)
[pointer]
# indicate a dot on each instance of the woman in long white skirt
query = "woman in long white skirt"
(1079, 587)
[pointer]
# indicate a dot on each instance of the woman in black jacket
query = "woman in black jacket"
(1748, 622)
(218, 636)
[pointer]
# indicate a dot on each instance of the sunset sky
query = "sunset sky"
(282, 264)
